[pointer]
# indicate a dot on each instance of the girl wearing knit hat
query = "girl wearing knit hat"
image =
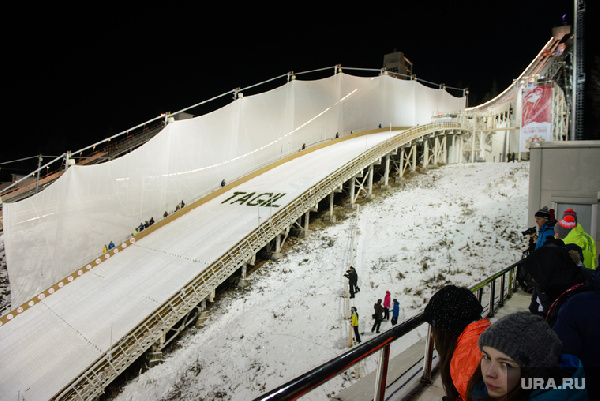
(520, 351)
(454, 314)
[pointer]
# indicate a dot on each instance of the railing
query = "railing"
(319, 375)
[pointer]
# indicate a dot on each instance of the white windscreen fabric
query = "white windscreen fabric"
(55, 232)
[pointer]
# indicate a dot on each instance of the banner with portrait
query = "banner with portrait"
(536, 119)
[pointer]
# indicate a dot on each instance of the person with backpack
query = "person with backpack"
(556, 278)
(577, 327)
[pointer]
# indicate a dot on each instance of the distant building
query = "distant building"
(397, 63)
(25, 182)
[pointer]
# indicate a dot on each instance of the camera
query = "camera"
(529, 231)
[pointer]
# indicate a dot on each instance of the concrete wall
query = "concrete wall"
(566, 175)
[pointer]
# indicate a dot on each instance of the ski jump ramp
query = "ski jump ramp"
(77, 329)
(78, 324)
(72, 344)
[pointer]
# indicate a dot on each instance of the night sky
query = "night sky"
(80, 74)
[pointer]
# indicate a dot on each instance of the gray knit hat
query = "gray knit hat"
(527, 339)
(564, 227)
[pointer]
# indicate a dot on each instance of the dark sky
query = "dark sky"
(77, 75)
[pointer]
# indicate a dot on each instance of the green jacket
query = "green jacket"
(587, 244)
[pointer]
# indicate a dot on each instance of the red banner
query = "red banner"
(537, 116)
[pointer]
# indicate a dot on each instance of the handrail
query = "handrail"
(319, 375)
(308, 381)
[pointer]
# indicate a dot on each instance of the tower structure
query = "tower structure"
(397, 63)
(578, 67)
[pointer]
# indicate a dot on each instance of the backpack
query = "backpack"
(578, 288)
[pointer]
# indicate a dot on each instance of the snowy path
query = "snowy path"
(455, 224)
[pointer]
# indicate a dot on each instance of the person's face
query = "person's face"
(540, 221)
(500, 373)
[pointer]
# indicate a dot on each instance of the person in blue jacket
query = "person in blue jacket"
(522, 360)
(395, 311)
(545, 224)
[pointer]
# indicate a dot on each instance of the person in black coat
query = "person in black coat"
(378, 316)
(352, 280)
(556, 277)
(577, 327)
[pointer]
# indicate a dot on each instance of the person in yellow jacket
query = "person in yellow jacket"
(355, 324)
(571, 232)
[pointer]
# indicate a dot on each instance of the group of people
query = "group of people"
(518, 357)
(562, 264)
(382, 307)
(569, 231)
(352, 277)
(143, 226)
(382, 312)
(179, 206)
(380, 315)
(545, 353)
(108, 247)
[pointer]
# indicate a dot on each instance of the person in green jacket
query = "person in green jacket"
(571, 232)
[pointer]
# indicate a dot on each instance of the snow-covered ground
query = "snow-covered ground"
(456, 224)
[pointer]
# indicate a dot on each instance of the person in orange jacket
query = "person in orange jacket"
(454, 314)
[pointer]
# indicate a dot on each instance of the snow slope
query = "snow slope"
(456, 224)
